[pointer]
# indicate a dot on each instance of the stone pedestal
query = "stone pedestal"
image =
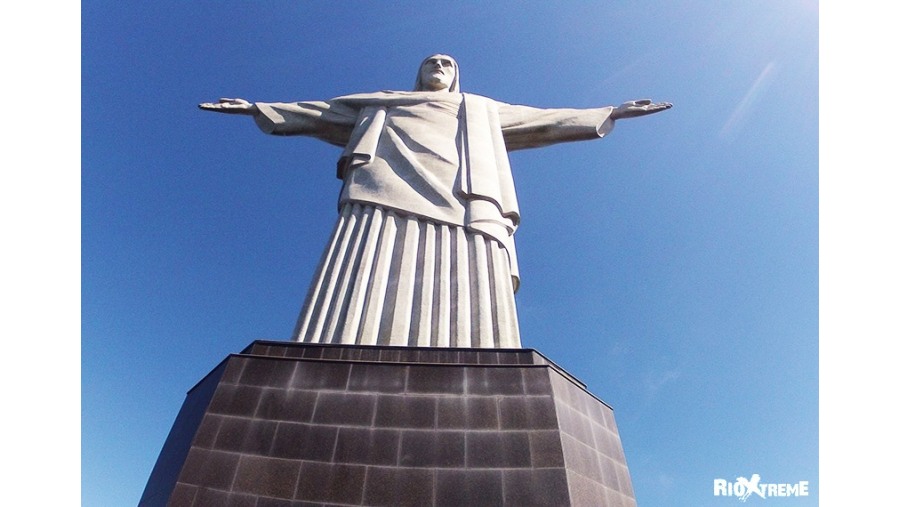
(291, 424)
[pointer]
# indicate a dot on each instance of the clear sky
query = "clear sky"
(673, 266)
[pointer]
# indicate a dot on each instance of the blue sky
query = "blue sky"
(673, 266)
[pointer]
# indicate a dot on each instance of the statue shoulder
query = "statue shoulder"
(378, 94)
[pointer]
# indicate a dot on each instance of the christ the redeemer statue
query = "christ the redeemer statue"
(423, 252)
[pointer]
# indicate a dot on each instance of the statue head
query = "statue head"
(438, 73)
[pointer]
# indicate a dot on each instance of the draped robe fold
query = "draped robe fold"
(423, 251)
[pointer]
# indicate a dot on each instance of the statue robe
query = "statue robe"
(423, 252)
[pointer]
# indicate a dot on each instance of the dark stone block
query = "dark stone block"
(420, 448)
(268, 372)
(507, 449)
(583, 431)
(351, 354)
(435, 380)
(581, 458)
(235, 400)
(561, 392)
(511, 358)
(457, 488)
(624, 477)
(234, 368)
(367, 377)
(575, 424)
(616, 499)
(488, 357)
(571, 396)
(293, 352)
(267, 350)
(527, 412)
(238, 434)
(618, 454)
(239, 500)
(405, 411)
(183, 494)
(304, 441)
(212, 469)
(348, 409)
(316, 375)
(610, 421)
(603, 441)
(494, 381)
(451, 413)
(324, 482)
(566, 416)
(286, 405)
(596, 409)
(267, 476)
(231, 434)
(206, 433)
(263, 501)
(399, 487)
(613, 447)
(432, 356)
(390, 355)
(367, 446)
(546, 449)
(452, 356)
(608, 472)
(468, 356)
(369, 354)
(312, 352)
(481, 412)
(471, 412)
(259, 437)
(585, 492)
(537, 358)
(274, 502)
(332, 353)
(546, 487)
(536, 381)
(211, 498)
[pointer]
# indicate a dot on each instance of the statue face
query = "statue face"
(437, 73)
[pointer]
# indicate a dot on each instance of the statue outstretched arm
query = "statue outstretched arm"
(329, 121)
(530, 127)
(231, 106)
(636, 108)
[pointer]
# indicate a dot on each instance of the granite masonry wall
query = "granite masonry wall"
(290, 424)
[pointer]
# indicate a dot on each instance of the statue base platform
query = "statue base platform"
(285, 423)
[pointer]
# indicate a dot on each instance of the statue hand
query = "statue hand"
(230, 106)
(635, 108)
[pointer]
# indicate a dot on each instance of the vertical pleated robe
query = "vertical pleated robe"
(393, 279)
